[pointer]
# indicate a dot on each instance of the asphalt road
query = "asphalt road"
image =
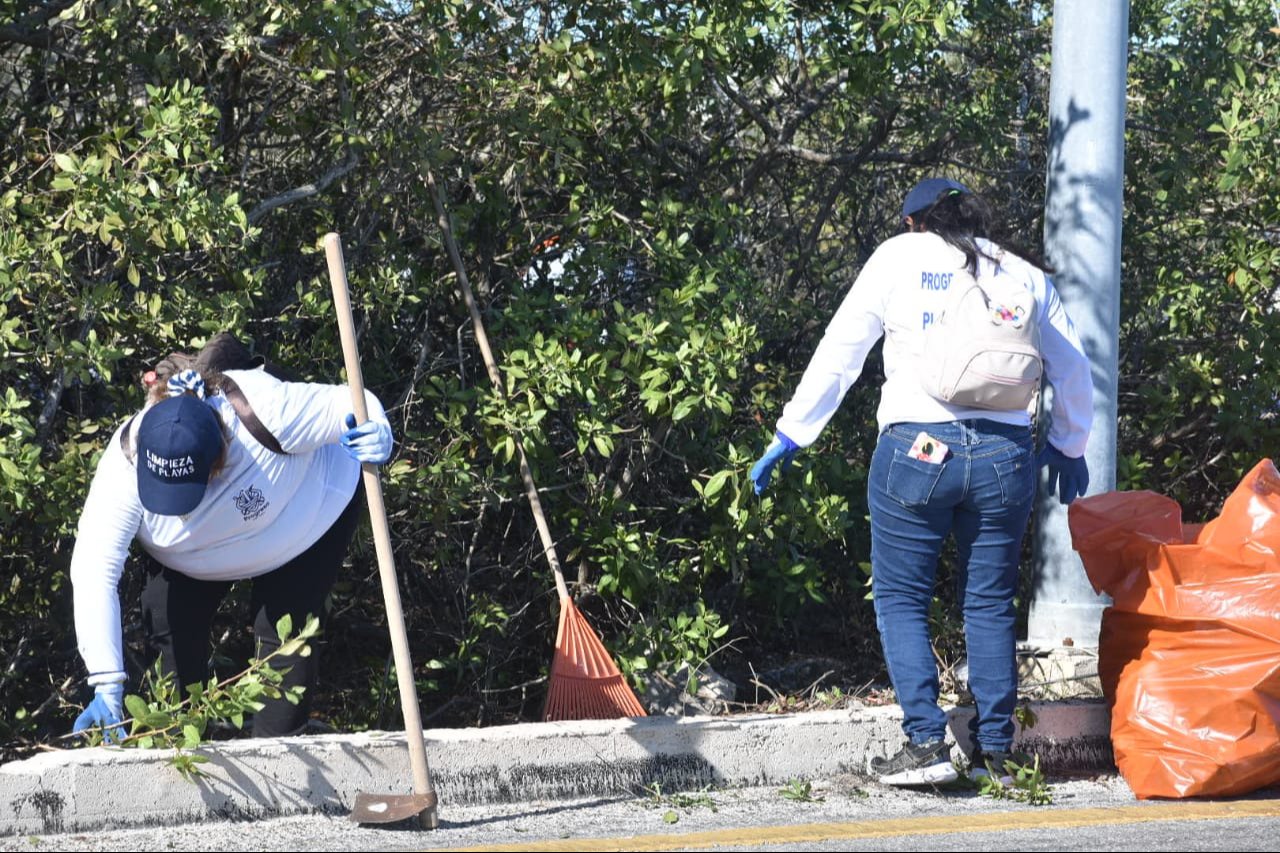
(840, 813)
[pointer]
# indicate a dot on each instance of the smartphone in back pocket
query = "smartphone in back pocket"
(926, 448)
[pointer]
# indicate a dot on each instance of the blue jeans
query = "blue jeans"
(982, 494)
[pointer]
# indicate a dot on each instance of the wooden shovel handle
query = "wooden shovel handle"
(378, 518)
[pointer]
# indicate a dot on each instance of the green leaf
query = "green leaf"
(136, 707)
(10, 470)
(311, 628)
(716, 483)
(156, 720)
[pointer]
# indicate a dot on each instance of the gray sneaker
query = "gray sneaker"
(923, 764)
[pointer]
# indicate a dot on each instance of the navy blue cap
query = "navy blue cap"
(179, 440)
(926, 193)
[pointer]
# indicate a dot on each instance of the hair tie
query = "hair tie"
(188, 381)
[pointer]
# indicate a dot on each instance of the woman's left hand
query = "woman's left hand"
(104, 713)
(1068, 476)
(369, 442)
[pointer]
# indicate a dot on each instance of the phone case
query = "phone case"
(926, 448)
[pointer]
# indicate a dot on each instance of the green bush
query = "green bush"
(709, 178)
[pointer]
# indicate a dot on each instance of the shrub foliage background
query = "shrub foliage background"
(660, 205)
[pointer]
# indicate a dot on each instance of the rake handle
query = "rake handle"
(378, 518)
(530, 488)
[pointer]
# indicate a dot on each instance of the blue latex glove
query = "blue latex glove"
(106, 711)
(369, 442)
(1068, 477)
(781, 449)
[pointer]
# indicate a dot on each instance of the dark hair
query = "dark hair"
(960, 219)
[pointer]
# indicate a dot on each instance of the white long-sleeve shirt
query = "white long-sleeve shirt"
(900, 291)
(260, 511)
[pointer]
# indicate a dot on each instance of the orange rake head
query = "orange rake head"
(585, 683)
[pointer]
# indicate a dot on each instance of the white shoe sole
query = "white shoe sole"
(938, 774)
(983, 773)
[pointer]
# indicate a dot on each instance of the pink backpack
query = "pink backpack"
(984, 351)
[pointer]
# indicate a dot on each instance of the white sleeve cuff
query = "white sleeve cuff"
(96, 678)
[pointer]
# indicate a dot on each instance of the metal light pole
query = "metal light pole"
(1083, 206)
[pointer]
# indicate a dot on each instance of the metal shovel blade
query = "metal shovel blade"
(393, 808)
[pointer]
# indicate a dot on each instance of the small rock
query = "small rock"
(666, 692)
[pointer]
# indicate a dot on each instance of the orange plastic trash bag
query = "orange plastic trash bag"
(1189, 652)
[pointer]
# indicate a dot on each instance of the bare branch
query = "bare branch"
(53, 398)
(306, 190)
(731, 91)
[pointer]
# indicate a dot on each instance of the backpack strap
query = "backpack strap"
(236, 398)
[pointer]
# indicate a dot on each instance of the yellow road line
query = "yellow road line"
(940, 825)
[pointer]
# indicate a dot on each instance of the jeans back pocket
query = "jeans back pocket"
(911, 481)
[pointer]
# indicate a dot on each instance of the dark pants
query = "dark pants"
(178, 611)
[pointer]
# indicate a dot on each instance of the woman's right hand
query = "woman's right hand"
(781, 449)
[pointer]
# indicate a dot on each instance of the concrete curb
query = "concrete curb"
(87, 789)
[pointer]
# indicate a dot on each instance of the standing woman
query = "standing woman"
(257, 482)
(944, 469)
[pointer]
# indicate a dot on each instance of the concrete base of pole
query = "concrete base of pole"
(1065, 624)
(1065, 672)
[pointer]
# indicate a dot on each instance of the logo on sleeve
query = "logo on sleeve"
(251, 503)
